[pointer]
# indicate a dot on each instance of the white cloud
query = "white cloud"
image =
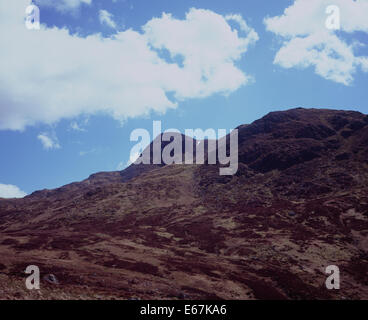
(253, 36)
(79, 125)
(48, 142)
(76, 127)
(308, 42)
(208, 47)
(107, 19)
(10, 191)
(48, 75)
(63, 5)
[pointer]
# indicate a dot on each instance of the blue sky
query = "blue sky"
(46, 146)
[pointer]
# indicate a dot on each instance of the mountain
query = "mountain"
(297, 204)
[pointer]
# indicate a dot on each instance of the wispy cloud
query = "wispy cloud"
(49, 141)
(83, 153)
(106, 18)
(77, 127)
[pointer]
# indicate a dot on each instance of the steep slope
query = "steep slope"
(297, 204)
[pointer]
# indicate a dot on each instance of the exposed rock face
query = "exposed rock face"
(298, 203)
(51, 279)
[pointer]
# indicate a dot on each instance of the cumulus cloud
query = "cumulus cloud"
(48, 75)
(106, 18)
(10, 191)
(48, 141)
(63, 5)
(309, 43)
(208, 47)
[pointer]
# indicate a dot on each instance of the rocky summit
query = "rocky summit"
(297, 204)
